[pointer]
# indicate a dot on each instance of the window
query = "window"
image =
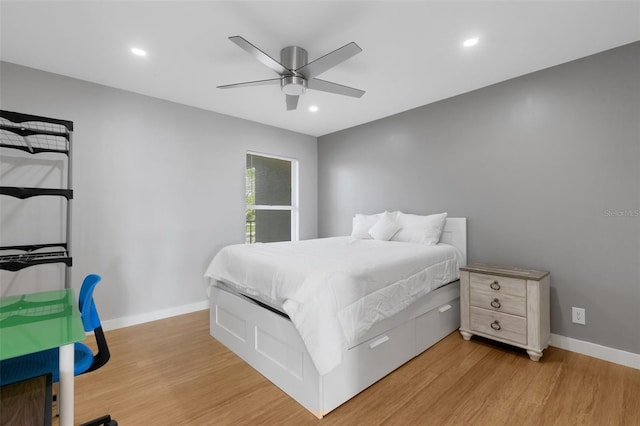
(271, 198)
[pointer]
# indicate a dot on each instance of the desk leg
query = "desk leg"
(65, 397)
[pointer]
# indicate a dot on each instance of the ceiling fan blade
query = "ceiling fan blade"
(292, 102)
(330, 60)
(251, 83)
(339, 89)
(260, 55)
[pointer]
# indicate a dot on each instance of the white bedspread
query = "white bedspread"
(335, 289)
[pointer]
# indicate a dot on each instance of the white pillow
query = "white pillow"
(420, 229)
(385, 228)
(362, 223)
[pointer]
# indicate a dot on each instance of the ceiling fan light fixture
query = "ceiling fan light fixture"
(293, 85)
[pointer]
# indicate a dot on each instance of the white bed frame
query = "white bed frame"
(271, 344)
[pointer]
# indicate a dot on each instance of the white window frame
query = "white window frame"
(295, 198)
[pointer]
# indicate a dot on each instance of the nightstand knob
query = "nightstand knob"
(495, 303)
(494, 285)
(495, 325)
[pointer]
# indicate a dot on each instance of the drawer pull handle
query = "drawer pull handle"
(378, 342)
(495, 285)
(495, 303)
(444, 308)
(495, 325)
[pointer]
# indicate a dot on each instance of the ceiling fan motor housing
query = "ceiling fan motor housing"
(292, 58)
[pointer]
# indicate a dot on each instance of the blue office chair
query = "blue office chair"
(40, 363)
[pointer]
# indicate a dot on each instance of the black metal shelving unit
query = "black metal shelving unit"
(33, 135)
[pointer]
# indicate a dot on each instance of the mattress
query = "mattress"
(335, 289)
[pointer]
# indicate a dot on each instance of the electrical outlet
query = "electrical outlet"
(578, 315)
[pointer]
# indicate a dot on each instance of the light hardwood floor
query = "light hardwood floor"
(172, 372)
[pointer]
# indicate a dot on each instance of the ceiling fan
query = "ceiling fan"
(296, 74)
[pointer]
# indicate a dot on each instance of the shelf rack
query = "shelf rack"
(33, 135)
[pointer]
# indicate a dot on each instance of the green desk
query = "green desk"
(39, 321)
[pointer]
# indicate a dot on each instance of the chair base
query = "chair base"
(101, 421)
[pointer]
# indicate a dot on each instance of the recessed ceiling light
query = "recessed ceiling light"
(470, 42)
(138, 52)
(313, 108)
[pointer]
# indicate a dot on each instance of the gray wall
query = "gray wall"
(546, 167)
(159, 189)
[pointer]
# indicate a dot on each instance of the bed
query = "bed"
(321, 346)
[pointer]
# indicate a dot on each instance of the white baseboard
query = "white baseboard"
(153, 316)
(616, 356)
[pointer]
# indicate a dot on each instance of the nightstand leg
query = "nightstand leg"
(466, 335)
(534, 355)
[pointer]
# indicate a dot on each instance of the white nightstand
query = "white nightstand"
(506, 304)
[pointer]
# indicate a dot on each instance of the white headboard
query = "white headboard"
(455, 233)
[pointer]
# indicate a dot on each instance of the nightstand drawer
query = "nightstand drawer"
(498, 284)
(504, 326)
(499, 302)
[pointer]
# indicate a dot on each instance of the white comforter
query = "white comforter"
(335, 289)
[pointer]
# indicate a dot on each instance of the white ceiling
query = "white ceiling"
(412, 51)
